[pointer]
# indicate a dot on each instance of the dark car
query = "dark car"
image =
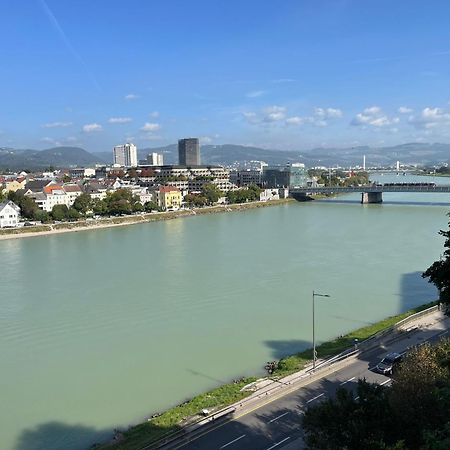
(388, 364)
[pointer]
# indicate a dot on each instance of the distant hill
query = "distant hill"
(16, 159)
(411, 153)
(228, 154)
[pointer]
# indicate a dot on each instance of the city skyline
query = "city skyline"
(291, 76)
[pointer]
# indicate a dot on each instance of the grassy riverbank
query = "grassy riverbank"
(175, 418)
(81, 225)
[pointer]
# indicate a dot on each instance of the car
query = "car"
(389, 363)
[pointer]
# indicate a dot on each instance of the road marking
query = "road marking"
(279, 443)
(315, 398)
(351, 379)
(385, 382)
(233, 441)
(279, 417)
(357, 398)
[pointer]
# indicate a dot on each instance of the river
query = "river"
(102, 328)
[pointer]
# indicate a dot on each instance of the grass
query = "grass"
(171, 420)
(293, 363)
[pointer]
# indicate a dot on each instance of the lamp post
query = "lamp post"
(314, 295)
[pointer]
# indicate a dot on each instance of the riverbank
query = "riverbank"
(188, 412)
(84, 225)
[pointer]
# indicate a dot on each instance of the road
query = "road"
(277, 424)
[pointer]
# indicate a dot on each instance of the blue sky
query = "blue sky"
(291, 74)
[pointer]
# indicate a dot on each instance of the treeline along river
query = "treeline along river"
(100, 329)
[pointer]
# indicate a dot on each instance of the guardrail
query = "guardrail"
(189, 431)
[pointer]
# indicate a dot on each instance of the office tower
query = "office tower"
(189, 152)
(155, 159)
(125, 155)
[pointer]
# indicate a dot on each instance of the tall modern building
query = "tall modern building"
(155, 159)
(189, 152)
(125, 155)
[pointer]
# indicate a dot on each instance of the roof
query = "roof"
(37, 185)
(72, 188)
(168, 189)
(11, 204)
(51, 188)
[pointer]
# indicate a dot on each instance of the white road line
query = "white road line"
(315, 398)
(279, 417)
(385, 382)
(232, 442)
(279, 443)
(357, 398)
(344, 382)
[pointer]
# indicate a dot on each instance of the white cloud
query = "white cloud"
(274, 113)
(405, 110)
(205, 140)
(295, 120)
(430, 118)
(57, 125)
(92, 127)
(71, 139)
(251, 117)
(373, 117)
(328, 113)
(149, 126)
(255, 94)
(120, 120)
(131, 97)
(154, 114)
(49, 140)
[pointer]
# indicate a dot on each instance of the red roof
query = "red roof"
(51, 188)
(168, 189)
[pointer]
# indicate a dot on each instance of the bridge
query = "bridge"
(371, 193)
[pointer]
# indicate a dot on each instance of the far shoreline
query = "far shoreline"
(110, 222)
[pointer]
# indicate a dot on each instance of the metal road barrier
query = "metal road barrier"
(189, 432)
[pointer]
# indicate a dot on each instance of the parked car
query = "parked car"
(389, 363)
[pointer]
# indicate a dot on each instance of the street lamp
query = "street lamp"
(314, 295)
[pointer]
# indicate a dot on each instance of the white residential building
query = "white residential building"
(155, 159)
(125, 155)
(9, 215)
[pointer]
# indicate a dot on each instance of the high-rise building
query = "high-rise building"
(125, 155)
(189, 152)
(155, 159)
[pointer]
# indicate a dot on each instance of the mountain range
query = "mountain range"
(228, 154)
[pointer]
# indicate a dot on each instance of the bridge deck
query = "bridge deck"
(373, 188)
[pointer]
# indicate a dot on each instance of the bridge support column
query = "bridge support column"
(371, 197)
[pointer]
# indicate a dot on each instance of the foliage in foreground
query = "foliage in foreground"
(439, 272)
(412, 414)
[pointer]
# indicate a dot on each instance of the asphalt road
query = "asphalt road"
(277, 424)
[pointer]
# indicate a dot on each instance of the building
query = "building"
(168, 198)
(125, 155)
(14, 184)
(82, 173)
(189, 152)
(246, 177)
(288, 176)
(155, 159)
(9, 215)
(55, 194)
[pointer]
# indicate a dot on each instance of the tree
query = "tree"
(73, 214)
(195, 200)
(60, 212)
(151, 206)
(99, 206)
(83, 203)
(439, 272)
(28, 207)
(211, 192)
(344, 422)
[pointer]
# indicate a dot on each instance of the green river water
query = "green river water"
(100, 329)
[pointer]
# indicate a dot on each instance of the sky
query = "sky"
(291, 74)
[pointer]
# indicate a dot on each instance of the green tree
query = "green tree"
(73, 214)
(83, 203)
(151, 206)
(60, 212)
(439, 272)
(99, 207)
(28, 207)
(212, 193)
(195, 200)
